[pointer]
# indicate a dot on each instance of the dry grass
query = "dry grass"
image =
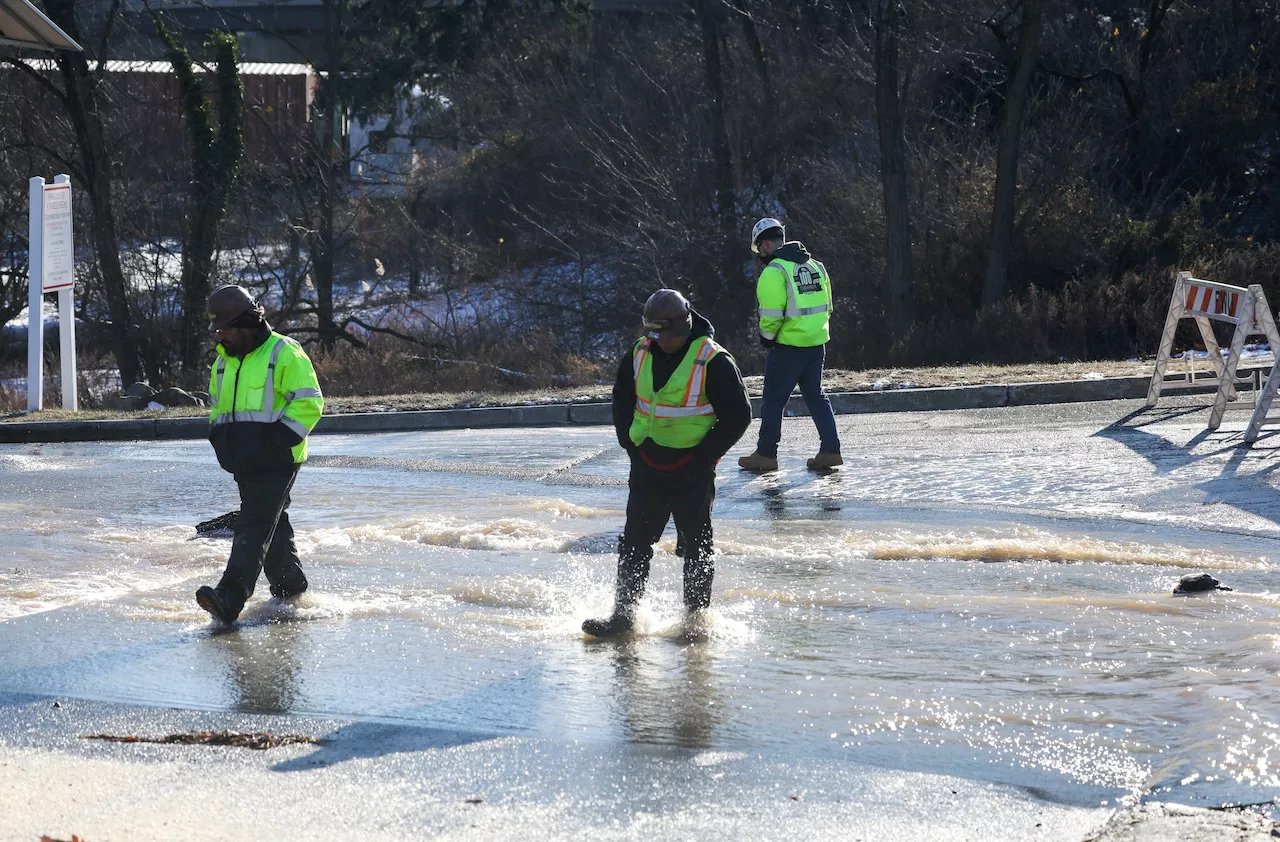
(836, 381)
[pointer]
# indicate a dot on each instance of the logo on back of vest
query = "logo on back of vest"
(807, 280)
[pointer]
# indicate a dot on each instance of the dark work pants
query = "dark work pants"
(263, 539)
(656, 497)
(784, 369)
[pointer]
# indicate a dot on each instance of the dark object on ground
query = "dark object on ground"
(258, 740)
(211, 601)
(173, 396)
(599, 543)
(140, 390)
(141, 395)
(120, 402)
(222, 526)
(1198, 583)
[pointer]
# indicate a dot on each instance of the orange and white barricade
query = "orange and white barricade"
(1207, 301)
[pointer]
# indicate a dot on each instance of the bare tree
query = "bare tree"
(80, 96)
(215, 163)
(727, 266)
(1015, 103)
(893, 165)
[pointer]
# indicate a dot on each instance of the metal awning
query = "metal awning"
(23, 25)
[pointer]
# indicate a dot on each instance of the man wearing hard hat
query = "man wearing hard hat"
(794, 294)
(678, 406)
(266, 401)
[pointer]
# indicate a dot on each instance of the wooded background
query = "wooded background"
(984, 181)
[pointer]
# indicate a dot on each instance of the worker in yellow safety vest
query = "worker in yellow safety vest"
(266, 400)
(679, 404)
(794, 294)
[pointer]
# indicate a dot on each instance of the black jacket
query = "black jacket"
(724, 389)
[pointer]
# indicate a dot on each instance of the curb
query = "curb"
(560, 415)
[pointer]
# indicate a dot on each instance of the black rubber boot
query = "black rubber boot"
(613, 626)
(217, 606)
(296, 588)
(698, 573)
(699, 570)
(633, 573)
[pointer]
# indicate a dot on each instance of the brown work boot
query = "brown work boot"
(756, 462)
(824, 461)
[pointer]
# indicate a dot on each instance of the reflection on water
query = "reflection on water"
(263, 671)
(663, 695)
(1002, 646)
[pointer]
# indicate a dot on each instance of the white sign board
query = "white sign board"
(58, 258)
(51, 267)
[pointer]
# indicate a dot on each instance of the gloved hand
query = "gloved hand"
(283, 436)
(767, 343)
(702, 461)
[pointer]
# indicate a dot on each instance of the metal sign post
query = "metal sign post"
(51, 269)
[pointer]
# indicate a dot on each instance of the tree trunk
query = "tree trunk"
(415, 261)
(893, 169)
(325, 168)
(215, 163)
(1141, 138)
(1015, 104)
(752, 37)
(83, 108)
(765, 164)
(719, 291)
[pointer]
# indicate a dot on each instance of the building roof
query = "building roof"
(247, 68)
(23, 25)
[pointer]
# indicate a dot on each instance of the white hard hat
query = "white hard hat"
(762, 226)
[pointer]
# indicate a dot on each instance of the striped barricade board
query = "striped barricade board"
(1207, 302)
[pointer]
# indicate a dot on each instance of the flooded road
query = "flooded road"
(983, 594)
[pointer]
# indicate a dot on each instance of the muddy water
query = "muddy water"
(1011, 640)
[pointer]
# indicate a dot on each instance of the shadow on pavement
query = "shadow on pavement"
(377, 739)
(1251, 492)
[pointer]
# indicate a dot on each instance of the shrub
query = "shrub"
(526, 361)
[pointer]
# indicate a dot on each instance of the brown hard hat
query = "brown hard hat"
(227, 303)
(667, 314)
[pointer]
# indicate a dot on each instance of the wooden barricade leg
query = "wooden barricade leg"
(1267, 327)
(1215, 354)
(1260, 411)
(1227, 388)
(1166, 340)
(1265, 320)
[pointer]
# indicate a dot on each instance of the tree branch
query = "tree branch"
(30, 71)
(1106, 73)
(106, 40)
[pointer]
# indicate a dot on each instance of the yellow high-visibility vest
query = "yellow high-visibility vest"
(679, 414)
(795, 302)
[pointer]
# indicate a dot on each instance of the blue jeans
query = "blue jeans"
(785, 368)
